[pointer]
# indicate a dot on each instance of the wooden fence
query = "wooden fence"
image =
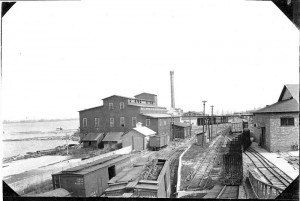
(263, 190)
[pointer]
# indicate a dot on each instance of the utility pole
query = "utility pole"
(212, 120)
(203, 113)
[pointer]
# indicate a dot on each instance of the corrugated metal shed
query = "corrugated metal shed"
(93, 166)
(113, 137)
(92, 137)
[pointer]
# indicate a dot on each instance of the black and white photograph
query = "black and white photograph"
(142, 99)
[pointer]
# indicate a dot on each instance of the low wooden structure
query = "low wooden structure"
(200, 139)
(181, 130)
(138, 138)
(92, 140)
(90, 180)
(113, 140)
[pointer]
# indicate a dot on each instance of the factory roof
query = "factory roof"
(181, 124)
(158, 115)
(145, 93)
(93, 166)
(112, 137)
(90, 108)
(92, 137)
(290, 105)
(146, 105)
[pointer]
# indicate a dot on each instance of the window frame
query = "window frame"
(134, 119)
(84, 124)
(110, 106)
(111, 122)
(122, 122)
(286, 121)
(148, 124)
(122, 105)
(97, 122)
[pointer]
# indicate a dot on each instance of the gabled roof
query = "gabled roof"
(118, 96)
(145, 93)
(290, 105)
(144, 130)
(92, 137)
(180, 124)
(290, 91)
(91, 108)
(112, 137)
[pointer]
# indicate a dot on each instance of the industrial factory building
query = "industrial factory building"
(120, 114)
(276, 126)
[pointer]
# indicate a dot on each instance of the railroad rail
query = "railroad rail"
(200, 177)
(273, 175)
(229, 192)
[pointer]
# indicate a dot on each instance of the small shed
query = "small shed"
(91, 179)
(138, 137)
(200, 139)
(113, 140)
(92, 140)
(181, 130)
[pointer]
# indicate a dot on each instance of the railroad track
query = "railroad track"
(229, 192)
(200, 177)
(268, 170)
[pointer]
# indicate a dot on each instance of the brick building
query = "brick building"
(120, 114)
(276, 126)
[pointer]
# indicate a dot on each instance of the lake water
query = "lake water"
(34, 130)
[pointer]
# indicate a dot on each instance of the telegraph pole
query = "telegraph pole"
(212, 112)
(203, 113)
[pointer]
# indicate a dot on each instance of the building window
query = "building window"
(121, 105)
(165, 122)
(111, 106)
(160, 122)
(84, 122)
(97, 122)
(122, 121)
(147, 122)
(287, 121)
(111, 122)
(133, 121)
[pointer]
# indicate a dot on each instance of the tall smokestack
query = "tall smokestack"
(172, 89)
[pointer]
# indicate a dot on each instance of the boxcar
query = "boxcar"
(158, 141)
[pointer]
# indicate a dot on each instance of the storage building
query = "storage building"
(181, 130)
(113, 140)
(91, 179)
(92, 140)
(276, 126)
(138, 137)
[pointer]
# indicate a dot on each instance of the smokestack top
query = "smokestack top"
(172, 89)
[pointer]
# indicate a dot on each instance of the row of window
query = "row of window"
(112, 122)
(111, 106)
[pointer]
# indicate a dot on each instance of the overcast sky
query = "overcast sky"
(61, 57)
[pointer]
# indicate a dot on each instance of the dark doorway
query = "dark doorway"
(111, 172)
(263, 136)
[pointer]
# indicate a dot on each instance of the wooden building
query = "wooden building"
(181, 130)
(120, 114)
(138, 137)
(276, 126)
(92, 140)
(90, 180)
(113, 140)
